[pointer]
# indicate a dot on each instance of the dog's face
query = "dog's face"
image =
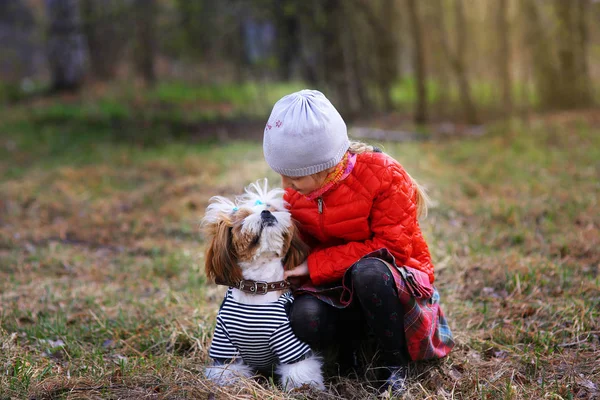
(256, 224)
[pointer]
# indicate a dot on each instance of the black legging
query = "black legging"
(375, 301)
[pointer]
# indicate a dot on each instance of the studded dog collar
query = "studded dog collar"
(257, 287)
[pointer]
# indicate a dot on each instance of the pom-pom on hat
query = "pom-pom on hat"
(304, 135)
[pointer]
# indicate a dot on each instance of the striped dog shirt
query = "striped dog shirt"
(260, 333)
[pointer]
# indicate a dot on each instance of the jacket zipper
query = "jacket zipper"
(320, 208)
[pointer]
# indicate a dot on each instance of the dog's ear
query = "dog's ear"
(296, 250)
(220, 260)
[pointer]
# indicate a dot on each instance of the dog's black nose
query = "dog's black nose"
(266, 216)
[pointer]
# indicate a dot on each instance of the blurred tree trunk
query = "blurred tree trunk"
(344, 64)
(567, 57)
(387, 52)
(459, 63)
(382, 25)
(310, 42)
(584, 41)
(559, 57)
(363, 67)
(288, 42)
(504, 56)
(350, 48)
(103, 25)
(572, 50)
(578, 45)
(457, 59)
(432, 14)
(545, 74)
(66, 45)
(19, 46)
(333, 53)
(145, 39)
(419, 63)
(350, 89)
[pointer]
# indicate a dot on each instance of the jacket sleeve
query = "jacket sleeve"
(393, 225)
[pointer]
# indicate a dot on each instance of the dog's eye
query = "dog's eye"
(254, 241)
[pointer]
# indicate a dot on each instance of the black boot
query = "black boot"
(347, 359)
(395, 382)
(394, 372)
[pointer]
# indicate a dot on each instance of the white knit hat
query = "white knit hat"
(304, 135)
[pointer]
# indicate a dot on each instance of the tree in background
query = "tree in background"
(350, 49)
(18, 50)
(437, 65)
(504, 55)
(145, 40)
(419, 68)
(383, 22)
(211, 34)
(288, 37)
(539, 52)
(457, 58)
(584, 13)
(557, 42)
(107, 33)
(66, 45)
(196, 21)
(572, 42)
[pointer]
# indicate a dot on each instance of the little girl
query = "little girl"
(369, 263)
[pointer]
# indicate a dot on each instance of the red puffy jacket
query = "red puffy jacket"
(374, 207)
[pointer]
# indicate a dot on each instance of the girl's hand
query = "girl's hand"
(299, 272)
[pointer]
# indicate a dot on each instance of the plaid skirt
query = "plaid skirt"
(428, 335)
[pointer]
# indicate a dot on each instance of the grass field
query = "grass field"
(102, 293)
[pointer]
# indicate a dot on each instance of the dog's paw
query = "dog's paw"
(305, 372)
(227, 374)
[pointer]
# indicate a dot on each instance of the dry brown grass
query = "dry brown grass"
(102, 293)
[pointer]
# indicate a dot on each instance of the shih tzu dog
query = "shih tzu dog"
(252, 240)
